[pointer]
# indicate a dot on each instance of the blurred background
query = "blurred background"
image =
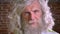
(7, 6)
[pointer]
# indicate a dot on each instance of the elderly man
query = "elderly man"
(36, 18)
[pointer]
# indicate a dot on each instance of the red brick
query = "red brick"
(5, 9)
(2, 30)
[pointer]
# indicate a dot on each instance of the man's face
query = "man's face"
(32, 14)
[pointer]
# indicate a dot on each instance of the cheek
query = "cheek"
(38, 16)
(24, 17)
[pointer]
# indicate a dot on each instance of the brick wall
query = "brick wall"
(55, 9)
(5, 8)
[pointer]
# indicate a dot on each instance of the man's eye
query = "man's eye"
(36, 11)
(27, 13)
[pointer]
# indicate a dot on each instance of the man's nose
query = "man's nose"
(32, 16)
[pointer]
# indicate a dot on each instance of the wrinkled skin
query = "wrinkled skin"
(32, 13)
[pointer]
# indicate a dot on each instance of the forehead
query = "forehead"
(33, 6)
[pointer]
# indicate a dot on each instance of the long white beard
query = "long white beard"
(30, 30)
(34, 31)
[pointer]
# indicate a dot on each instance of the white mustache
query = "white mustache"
(30, 22)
